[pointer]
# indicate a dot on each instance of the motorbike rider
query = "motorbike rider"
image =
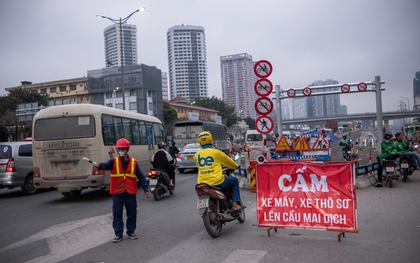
(209, 161)
(388, 152)
(402, 148)
(345, 142)
(173, 150)
(161, 159)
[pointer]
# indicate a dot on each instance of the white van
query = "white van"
(255, 140)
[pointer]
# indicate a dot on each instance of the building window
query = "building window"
(133, 105)
(53, 90)
(43, 91)
(133, 92)
(119, 106)
(109, 105)
(72, 87)
(62, 88)
(150, 106)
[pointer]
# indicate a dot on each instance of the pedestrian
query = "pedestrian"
(123, 188)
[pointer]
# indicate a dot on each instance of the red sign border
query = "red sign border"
(258, 101)
(307, 88)
(256, 72)
(256, 87)
(265, 132)
(294, 93)
(345, 85)
(360, 89)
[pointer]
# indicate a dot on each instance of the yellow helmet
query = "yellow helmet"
(205, 138)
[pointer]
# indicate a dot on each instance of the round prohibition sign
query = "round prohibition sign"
(307, 91)
(264, 106)
(345, 88)
(264, 124)
(263, 87)
(291, 93)
(362, 86)
(263, 69)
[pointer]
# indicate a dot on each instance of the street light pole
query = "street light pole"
(408, 105)
(120, 22)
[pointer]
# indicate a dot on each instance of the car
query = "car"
(16, 166)
(185, 159)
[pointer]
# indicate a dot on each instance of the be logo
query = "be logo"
(205, 161)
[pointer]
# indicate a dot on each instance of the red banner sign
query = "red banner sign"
(306, 195)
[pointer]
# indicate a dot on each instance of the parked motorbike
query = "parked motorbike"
(215, 207)
(159, 183)
(405, 167)
(390, 172)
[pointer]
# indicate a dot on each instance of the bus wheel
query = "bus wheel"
(180, 170)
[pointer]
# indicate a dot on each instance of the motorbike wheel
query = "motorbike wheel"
(390, 177)
(212, 225)
(241, 217)
(156, 193)
(405, 175)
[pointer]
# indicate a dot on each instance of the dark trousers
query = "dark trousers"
(118, 203)
(381, 165)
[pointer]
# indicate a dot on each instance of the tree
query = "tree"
(227, 112)
(250, 122)
(8, 104)
(169, 118)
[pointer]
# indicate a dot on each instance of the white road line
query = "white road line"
(245, 256)
(69, 239)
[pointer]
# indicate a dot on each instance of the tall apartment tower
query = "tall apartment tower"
(238, 81)
(112, 41)
(187, 61)
(325, 105)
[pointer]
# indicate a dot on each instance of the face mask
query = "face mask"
(122, 153)
(387, 141)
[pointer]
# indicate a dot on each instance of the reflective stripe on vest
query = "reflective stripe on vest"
(117, 165)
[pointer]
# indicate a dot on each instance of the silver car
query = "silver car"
(16, 166)
(185, 158)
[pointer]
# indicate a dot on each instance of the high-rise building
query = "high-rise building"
(324, 105)
(112, 41)
(187, 61)
(238, 79)
(165, 95)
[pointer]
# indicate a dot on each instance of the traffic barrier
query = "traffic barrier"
(253, 179)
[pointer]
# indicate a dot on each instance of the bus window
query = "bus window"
(143, 137)
(159, 133)
(118, 128)
(136, 132)
(127, 133)
(64, 128)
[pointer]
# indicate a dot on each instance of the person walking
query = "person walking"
(123, 188)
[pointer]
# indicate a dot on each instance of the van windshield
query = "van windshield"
(254, 137)
(64, 128)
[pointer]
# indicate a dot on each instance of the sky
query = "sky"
(304, 40)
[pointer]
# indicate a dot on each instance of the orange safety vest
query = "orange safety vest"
(123, 180)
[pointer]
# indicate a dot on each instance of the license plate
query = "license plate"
(190, 157)
(203, 203)
(66, 166)
(153, 182)
(405, 165)
(390, 169)
(349, 152)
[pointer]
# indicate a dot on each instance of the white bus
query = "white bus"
(63, 135)
(187, 132)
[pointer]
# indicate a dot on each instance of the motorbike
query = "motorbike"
(405, 167)
(348, 155)
(390, 171)
(159, 183)
(215, 207)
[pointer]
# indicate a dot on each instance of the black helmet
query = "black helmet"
(173, 143)
(388, 136)
(161, 145)
(344, 136)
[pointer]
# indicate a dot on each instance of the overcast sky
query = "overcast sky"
(305, 40)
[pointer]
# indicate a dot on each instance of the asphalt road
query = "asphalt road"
(47, 227)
